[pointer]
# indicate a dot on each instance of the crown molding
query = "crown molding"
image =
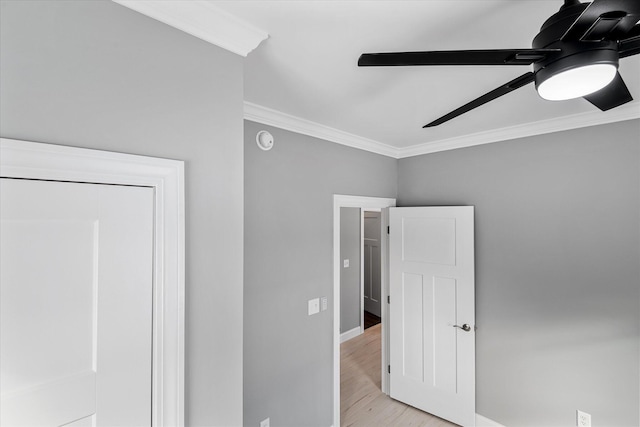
(592, 118)
(268, 116)
(202, 19)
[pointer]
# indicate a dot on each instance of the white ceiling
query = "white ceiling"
(304, 76)
(307, 66)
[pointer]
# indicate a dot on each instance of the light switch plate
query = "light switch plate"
(314, 306)
(346, 263)
(265, 422)
(323, 303)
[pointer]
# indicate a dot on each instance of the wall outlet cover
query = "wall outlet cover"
(346, 263)
(583, 419)
(265, 422)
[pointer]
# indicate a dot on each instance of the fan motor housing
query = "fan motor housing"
(557, 25)
(603, 53)
(572, 54)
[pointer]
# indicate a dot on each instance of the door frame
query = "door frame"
(362, 202)
(32, 160)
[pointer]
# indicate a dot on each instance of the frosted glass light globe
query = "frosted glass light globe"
(577, 82)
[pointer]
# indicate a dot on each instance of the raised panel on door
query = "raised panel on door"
(76, 293)
(432, 290)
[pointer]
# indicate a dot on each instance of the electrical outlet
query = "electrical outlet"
(265, 422)
(583, 419)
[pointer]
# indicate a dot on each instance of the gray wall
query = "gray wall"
(95, 74)
(349, 276)
(288, 355)
(557, 269)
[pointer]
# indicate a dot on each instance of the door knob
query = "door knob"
(464, 327)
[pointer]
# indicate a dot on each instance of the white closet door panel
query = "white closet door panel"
(125, 310)
(76, 289)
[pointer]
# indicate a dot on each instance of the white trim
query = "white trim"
(352, 333)
(344, 201)
(202, 19)
(20, 159)
(486, 422)
(592, 118)
(268, 116)
(384, 298)
(362, 270)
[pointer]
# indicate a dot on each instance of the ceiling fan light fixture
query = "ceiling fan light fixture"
(577, 75)
(577, 82)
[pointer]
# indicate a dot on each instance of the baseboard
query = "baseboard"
(486, 422)
(346, 336)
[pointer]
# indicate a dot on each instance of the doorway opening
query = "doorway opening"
(428, 267)
(362, 203)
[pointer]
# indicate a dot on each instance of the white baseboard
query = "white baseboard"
(486, 422)
(346, 336)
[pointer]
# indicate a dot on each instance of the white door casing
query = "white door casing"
(28, 160)
(76, 290)
(431, 273)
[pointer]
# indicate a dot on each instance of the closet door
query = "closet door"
(76, 303)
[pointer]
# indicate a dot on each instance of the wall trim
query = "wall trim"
(202, 19)
(352, 333)
(575, 121)
(31, 160)
(268, 116)
(271, 117)
(486, 422)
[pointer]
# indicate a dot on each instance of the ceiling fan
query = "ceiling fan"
(574, 55)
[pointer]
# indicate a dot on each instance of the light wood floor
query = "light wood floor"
(362, 402)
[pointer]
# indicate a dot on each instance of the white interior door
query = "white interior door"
(432, 297)
(76, 303)
(371, 262)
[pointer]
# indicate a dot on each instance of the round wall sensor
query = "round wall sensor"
(264, 140)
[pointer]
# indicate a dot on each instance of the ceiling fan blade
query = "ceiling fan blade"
(455, 57)
(496, 93)
(630, 45)
(604, 19)
(611, 96)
